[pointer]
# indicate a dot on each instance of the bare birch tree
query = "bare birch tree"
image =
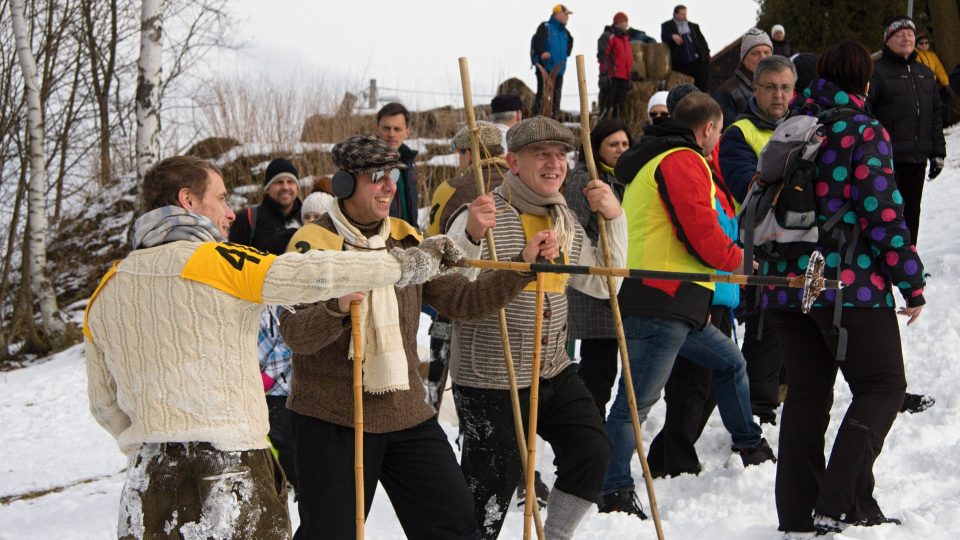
(52, 326)
(148, 85)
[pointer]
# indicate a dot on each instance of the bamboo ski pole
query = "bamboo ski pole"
(357, 335)
(531, 501)
(614, 301)
(491, 248)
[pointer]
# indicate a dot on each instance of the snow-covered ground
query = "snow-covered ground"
(61, 475)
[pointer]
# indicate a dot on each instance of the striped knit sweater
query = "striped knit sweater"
(477, 350)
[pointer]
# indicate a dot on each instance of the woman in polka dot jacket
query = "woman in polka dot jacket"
(855, 165)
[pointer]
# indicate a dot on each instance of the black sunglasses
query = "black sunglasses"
(659, 114)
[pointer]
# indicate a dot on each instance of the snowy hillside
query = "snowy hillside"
(61, 475)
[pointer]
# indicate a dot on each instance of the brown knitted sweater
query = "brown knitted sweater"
(319, 336)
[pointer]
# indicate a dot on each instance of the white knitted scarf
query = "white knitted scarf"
(384, 359)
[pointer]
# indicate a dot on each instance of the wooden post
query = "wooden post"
(614, 302)
(531, 501)
(357, 335)
(491, 248)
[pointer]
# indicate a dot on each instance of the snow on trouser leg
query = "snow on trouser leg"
(192, 490)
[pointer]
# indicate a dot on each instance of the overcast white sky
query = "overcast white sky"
(413, 45)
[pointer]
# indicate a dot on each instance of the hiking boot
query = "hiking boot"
(914, 403)
(624, 500)
(825, 525)
(757, 455)
(539, 488)
(877, 520)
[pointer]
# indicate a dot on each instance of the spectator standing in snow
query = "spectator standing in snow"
(778, 36)
(279, 210)
(689, 53)
(589, 319)
(853, 175)
(172, 369)
(405, 449)
(903, 95)
(930, 59)
(735, 93)
(393, 127)
(551, 46)
(530, 209)
(616, 66)
(505, 111)
(668, 170)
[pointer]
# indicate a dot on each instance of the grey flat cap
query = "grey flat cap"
(489, 137)
(539, 130)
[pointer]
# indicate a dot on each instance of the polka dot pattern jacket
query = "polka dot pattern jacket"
(855, 164)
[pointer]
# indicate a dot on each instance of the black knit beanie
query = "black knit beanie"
(279, 168)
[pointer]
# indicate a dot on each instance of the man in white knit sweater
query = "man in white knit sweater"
(170, 339)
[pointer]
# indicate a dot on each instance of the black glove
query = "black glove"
(936, 166)
(604, 81)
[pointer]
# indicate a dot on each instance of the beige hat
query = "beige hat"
(489, 137)
(539, 130)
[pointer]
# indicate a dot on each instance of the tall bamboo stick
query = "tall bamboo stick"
(491, 249)
(531, 501)
(357, 335)
(614, 303)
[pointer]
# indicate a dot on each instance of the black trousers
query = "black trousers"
(843, 487)
(910, 179)
(764, 362)
(598, 369)
(690, 401)
(567, 419)
(416, 467)
(557, 91)
(616, 98)
(281, 437)
(699, 70)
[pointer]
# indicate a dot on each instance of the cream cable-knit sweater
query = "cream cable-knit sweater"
(173, 360)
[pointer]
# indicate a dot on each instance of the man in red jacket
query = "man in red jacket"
(615, 67)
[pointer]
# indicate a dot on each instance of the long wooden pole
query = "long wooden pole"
(797, 282)
(614, 302)
(357, 335)
(531, 501)
(492, 250)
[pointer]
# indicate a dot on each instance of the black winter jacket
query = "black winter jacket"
(405, 203)
(904, 97)
(270, 221)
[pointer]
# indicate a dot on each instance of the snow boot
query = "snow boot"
(827, 525)
(540, 489)
(623, 499)
(914, 403)
(757, 455)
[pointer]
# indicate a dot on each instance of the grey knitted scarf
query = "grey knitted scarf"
(172, 223)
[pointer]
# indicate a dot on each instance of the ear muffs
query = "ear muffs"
(343, 184)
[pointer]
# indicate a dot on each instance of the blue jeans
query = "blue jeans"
(653, 344)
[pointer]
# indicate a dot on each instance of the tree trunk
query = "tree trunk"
(148, 85)
(52, 326)
(945, 18)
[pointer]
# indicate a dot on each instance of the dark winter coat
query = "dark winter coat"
(405, 204)
(552, 37)
(270, 221)
(905, 98)
(588, 317)
(687, 191)
(738, 158)
(734, 95)
(955, 79)
(782, 48)
(694, 48)
(855, 164)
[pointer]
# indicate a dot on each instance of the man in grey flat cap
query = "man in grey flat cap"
(529, 207)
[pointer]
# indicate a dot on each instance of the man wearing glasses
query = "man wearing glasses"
(740, 146)
(405, 449)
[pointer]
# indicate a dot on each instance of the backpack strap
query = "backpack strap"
(848, 247)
